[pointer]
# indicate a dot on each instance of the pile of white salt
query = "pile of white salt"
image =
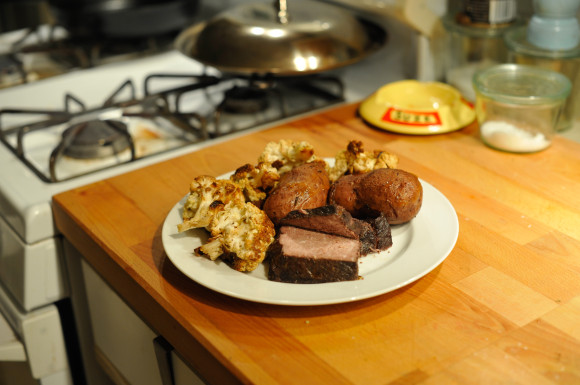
(508, 137)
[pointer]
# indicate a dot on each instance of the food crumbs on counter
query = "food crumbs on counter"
(509, 137)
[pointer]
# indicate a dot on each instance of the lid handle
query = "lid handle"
(282, 11)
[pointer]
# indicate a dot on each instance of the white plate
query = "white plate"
(418, 247)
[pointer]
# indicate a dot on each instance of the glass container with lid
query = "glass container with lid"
(476, 40)
(518, 106)
(566, 62)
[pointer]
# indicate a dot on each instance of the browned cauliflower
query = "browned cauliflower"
(240, 232)
(287, 154)
(207, 195)
(354, 160)
(256, 181)
(241, 235)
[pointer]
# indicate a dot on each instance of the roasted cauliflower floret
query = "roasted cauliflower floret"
(287, 154)
(241, 234)
(256, 181)
(207, 196)
(354, 160)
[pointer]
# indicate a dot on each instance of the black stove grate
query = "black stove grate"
(231, 104)
(76, 114)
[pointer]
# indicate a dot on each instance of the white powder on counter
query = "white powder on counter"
(506, 136)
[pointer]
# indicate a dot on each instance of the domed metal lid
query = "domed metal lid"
(261, 38)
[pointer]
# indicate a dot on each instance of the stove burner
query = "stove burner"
(11, 71)
(245, 100)
(95, 139)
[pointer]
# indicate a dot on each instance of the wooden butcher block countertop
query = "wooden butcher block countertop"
(503, 307)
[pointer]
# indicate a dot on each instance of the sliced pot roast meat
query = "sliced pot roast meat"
(329, 219)
(374, 234)
(304, 256)
(324, 244)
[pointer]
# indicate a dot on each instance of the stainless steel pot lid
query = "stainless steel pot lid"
(264, 38)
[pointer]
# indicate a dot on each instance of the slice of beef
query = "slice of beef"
(329, 219)
(333, 219)
(382, 231)
(304, 256)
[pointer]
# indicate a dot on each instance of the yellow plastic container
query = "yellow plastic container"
(417, 108)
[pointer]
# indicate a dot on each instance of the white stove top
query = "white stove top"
(25, 199)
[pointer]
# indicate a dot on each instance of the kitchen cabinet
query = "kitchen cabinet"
(182, 374)
(503, 306)
(123, 342)
(120, 342)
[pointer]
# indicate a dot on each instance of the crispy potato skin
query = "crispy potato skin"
(343, 191)
(304, 187)
(396, 193)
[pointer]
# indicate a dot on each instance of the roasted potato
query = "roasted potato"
(395, 193)
(304, 187)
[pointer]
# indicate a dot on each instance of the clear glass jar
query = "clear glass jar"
(518, 107)
(472, 47)
(566, 62)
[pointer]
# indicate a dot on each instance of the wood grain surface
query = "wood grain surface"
(503, 308)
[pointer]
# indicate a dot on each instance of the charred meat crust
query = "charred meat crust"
(329, 219)
(367, 237)
(382, 231)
